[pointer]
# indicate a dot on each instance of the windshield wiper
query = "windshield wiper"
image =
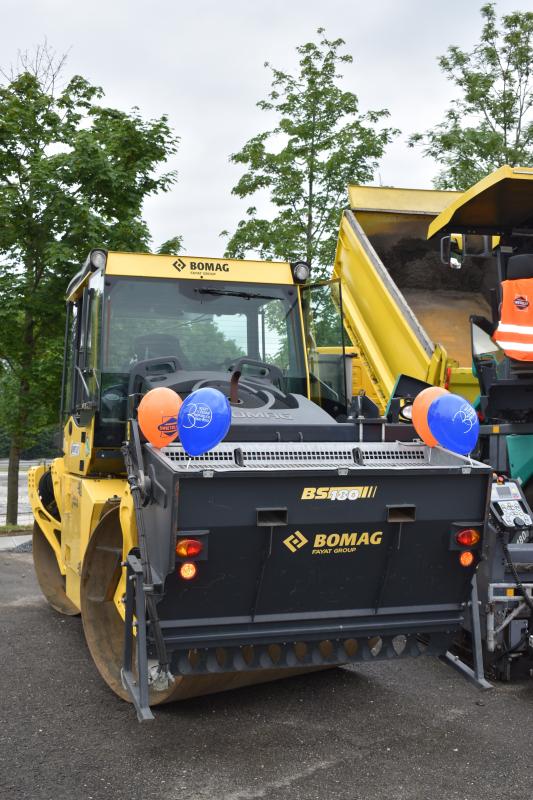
(246, 295)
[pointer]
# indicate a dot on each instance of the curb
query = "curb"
(11, 542)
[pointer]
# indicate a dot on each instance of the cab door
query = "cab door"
(329, 367)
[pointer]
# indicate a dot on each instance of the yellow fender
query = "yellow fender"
(50, 527)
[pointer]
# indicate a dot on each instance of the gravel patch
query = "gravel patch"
(25, 547)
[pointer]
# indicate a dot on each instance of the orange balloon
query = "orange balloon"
(158, 415)
(421, 405)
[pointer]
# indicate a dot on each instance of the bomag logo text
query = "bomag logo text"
(208, 266)
(246, 414)
(325, 544)
(338, 492)
(201, 266)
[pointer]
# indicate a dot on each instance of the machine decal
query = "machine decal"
(75, 449)
(295, 541)
(179, 264)
(339, 492)
(208, 266)
(201, 266)
(325, 544)
(242, 413)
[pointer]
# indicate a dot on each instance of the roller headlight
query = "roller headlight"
(98, 259)
(300, 271)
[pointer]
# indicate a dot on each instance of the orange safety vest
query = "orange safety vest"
(514, 333)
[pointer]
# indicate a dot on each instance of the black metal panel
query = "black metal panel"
(332, 557)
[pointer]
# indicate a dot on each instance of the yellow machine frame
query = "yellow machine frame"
(83, 497)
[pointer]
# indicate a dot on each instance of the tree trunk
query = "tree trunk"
(17, 440)
(13, 483)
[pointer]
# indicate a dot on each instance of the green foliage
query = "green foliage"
(491, 122)
(320, 143)
(171, 246)
(4, 444)
(73, 175)
(43, 445)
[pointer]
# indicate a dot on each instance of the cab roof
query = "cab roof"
(148, 265)
(500, 204)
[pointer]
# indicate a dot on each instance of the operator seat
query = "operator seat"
(156, 345)
(520, 268)
(507, 390)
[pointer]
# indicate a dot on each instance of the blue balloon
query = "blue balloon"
(203, 420)
(454, 423)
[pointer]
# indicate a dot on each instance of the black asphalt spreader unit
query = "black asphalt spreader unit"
(311, 533)
(304, 555)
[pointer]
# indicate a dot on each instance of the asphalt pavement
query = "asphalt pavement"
(403, 730)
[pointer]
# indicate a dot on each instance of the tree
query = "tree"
(491, 122)
(326, 143)
(73, 175)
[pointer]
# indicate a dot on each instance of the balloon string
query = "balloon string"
(188, 463)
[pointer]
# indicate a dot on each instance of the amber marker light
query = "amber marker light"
(466, 558)
(188, 548)
(468, 538)
(188, 570)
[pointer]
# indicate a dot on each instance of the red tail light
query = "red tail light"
(188, 570)
(467, 538)
(188, 548)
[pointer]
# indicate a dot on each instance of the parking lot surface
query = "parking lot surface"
(390, 730)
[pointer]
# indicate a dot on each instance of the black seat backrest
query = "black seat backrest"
(520, 266)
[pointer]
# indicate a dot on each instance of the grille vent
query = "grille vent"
(289, 456)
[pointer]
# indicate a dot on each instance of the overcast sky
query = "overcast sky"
(202, 64)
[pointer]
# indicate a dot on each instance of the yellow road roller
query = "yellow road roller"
(317, 533)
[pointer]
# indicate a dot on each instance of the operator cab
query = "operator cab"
(139, 321)
(494, 219)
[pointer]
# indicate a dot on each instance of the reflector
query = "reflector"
(188, 570)
(466, 558)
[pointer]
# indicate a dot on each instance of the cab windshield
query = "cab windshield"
(205, 325)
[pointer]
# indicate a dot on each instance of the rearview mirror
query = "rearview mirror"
(451, 251)
(456, 247)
